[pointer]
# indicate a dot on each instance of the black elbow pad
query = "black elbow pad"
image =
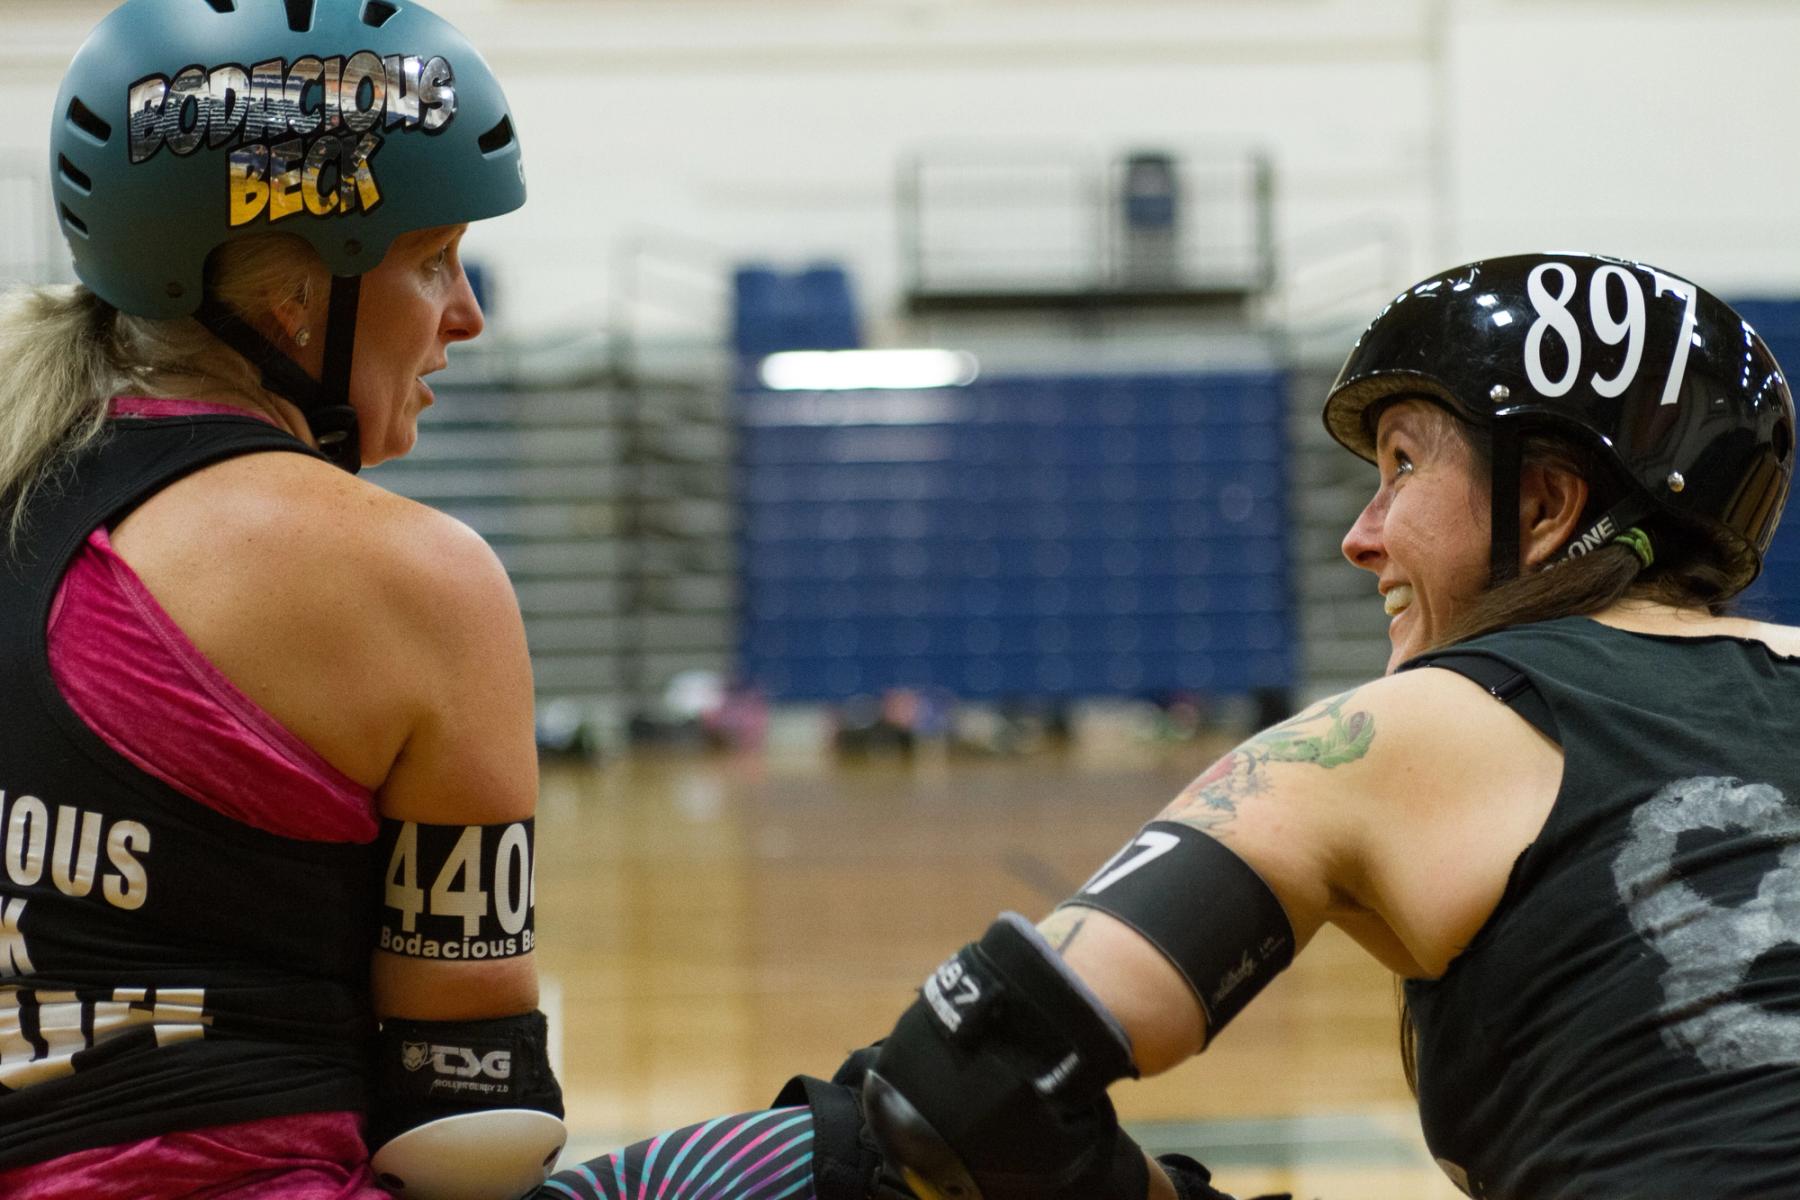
(425, 1070)
(993, 1084)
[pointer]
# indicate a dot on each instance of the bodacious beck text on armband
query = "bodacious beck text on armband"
(457, 892)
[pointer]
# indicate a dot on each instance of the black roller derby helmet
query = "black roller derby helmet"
(1656, 374)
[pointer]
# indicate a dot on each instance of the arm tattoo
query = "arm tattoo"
(1324, 735)
(1061, 927)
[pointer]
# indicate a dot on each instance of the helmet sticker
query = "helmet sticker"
(1669, 388)
(1610, 327)
(302, 136)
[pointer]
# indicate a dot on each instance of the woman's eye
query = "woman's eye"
(438, 260)
(1403, 465)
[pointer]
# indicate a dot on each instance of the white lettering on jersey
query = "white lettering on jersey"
(68, 842)
(27, 839)
(64, 1025)
(14, 960)
(129, 888)
(73, 862)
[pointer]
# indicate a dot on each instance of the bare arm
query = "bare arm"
(1394, 810)
(1254, 800)
(469, 756)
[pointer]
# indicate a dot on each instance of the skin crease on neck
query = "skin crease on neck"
(1424, 535)
(413, 305)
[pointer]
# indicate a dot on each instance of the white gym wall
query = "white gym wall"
(1435, 129)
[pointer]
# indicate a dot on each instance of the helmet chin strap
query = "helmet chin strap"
(323, 402)
(1503, 562)
(1612, 523)
(1503, 536)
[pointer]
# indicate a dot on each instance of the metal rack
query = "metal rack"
(609, 504)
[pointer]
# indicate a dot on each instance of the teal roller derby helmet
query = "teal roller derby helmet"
(185, 124)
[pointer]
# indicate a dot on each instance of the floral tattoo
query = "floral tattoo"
(1324, 736)
(1061, 927)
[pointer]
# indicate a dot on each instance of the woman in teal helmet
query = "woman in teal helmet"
(267, 766)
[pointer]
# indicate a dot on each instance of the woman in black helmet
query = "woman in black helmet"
(1566, 816)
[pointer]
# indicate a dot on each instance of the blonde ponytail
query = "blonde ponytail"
(57, 368)
(65, 352)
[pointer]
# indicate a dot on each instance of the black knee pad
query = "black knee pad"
(846, 1163)
(1194, 1182)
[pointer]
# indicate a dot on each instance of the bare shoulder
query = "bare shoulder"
(317, 529)
(1782, 639)
(1662, 620)
(1395, 810)
(354, 616)
(411, 585)
(1422, 726)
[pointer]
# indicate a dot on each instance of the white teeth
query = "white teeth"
(1398, 600)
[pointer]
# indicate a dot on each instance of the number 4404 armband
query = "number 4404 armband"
(457, 892)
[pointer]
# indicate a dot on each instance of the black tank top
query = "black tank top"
(162, 966)
(1626, 1025)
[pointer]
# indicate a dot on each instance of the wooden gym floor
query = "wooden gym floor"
(711, 925)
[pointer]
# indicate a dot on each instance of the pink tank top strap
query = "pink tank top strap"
(136, 679)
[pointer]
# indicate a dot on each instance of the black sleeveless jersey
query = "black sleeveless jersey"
(161, 966)
(1626, 1026)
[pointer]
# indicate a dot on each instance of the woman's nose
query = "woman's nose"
(1362, 545)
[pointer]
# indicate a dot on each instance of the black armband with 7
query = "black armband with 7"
(993, 1084)
(1205, 908)
(461, 893)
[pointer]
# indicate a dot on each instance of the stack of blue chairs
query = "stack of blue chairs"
(809, 309)
(1023, 537)
(1776, 595)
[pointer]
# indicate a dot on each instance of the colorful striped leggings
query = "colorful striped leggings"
(765, 1155)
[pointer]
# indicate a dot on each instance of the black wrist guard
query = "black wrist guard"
(425, 1070)
(993, 1084)
(1194, 1182)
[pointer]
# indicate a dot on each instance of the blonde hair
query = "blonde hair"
(66, 353)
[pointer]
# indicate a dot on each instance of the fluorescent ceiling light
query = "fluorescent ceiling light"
(853, 370)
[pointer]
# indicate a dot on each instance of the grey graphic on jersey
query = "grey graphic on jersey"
(1709, 947)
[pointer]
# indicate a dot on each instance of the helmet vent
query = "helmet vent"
(300, 15)
(88, 121)
(497, 138)
(1784, 441)
(223, 6)
(73, 222)
(77, 178)
(377, 12)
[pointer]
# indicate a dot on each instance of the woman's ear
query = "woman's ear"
(1551, 501)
